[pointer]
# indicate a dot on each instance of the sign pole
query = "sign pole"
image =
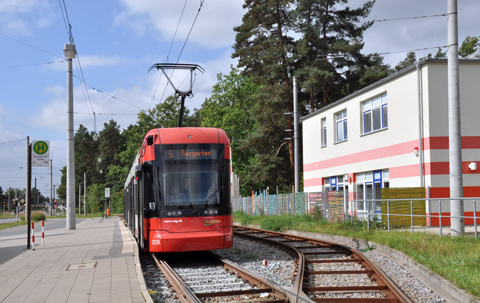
(28, 191)
(51, 199)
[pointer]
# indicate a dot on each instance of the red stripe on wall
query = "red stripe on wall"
(435, 168)
(373, 154)
(468, 142)
(313, 182)
(404, 171)
(444, 192)
(443, 168)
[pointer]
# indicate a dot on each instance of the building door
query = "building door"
(333, 183)
(377, 184)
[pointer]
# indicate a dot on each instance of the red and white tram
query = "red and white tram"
(177, 195)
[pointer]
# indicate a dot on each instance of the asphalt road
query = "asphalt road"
(50, 224)
(9, 220)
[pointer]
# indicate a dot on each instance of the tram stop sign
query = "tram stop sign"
(40, 153)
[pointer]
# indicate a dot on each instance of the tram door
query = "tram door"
(140, 211)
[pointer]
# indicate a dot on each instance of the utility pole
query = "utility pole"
(79, 199)
(295, 136)
(85, 193)
(70, 52)
(51, 200)
(454, 124)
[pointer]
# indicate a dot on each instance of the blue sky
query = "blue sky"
(118, 40)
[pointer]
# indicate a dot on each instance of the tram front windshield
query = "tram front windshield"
(190, 175)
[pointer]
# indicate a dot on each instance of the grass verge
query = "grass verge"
(455, 258)
(12, 224)
(6, 216)
(92, 215)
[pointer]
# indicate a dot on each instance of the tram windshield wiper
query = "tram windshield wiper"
(206, 200)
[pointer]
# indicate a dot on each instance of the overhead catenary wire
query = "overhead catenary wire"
(168, 54)
(185, 43)
(78, 65)
(111, 96)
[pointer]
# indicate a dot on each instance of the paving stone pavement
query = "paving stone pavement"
(96, 262)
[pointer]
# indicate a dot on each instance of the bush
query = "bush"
(21, 216)
(38, 216)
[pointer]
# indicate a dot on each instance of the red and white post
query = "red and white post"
(33, 237)
(43, 235)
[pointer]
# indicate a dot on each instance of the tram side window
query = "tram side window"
(149, 196)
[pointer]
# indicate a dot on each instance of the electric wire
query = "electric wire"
(100, 114)
(168, 56)
(42, 50)
(96, 89)
(78, 65)
(191, 28)
(329, 57)
(184, 44)
(28, 65)
(86, 95)
(66, 20)
(13, 141)
(405, 18)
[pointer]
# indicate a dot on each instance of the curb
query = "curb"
(433, 280)
(138, 267)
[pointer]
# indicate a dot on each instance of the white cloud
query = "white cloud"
(213, 28)
(21, 17)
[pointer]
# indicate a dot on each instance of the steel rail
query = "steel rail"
(186, 295)
(183, 293)
(384, 283)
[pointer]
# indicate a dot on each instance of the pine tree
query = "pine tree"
(410, 59)
(329, 58)
(469, 46)
(265, 52)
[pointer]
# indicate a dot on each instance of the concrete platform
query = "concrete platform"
(97, 262)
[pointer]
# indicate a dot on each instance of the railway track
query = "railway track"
(329, 272)
(324, 272)
(204, 277)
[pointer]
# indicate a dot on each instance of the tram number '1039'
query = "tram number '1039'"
(155, 241)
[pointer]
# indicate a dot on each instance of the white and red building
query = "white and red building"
(394, 133)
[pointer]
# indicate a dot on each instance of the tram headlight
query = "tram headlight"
(169, 214)
(215, 211)
(205, 212)
(179, 213)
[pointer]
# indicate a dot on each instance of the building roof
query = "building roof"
(471, 59)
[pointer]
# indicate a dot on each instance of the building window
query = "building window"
(375, 114)
(341, 122)
(324, 132)
(338, 183)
